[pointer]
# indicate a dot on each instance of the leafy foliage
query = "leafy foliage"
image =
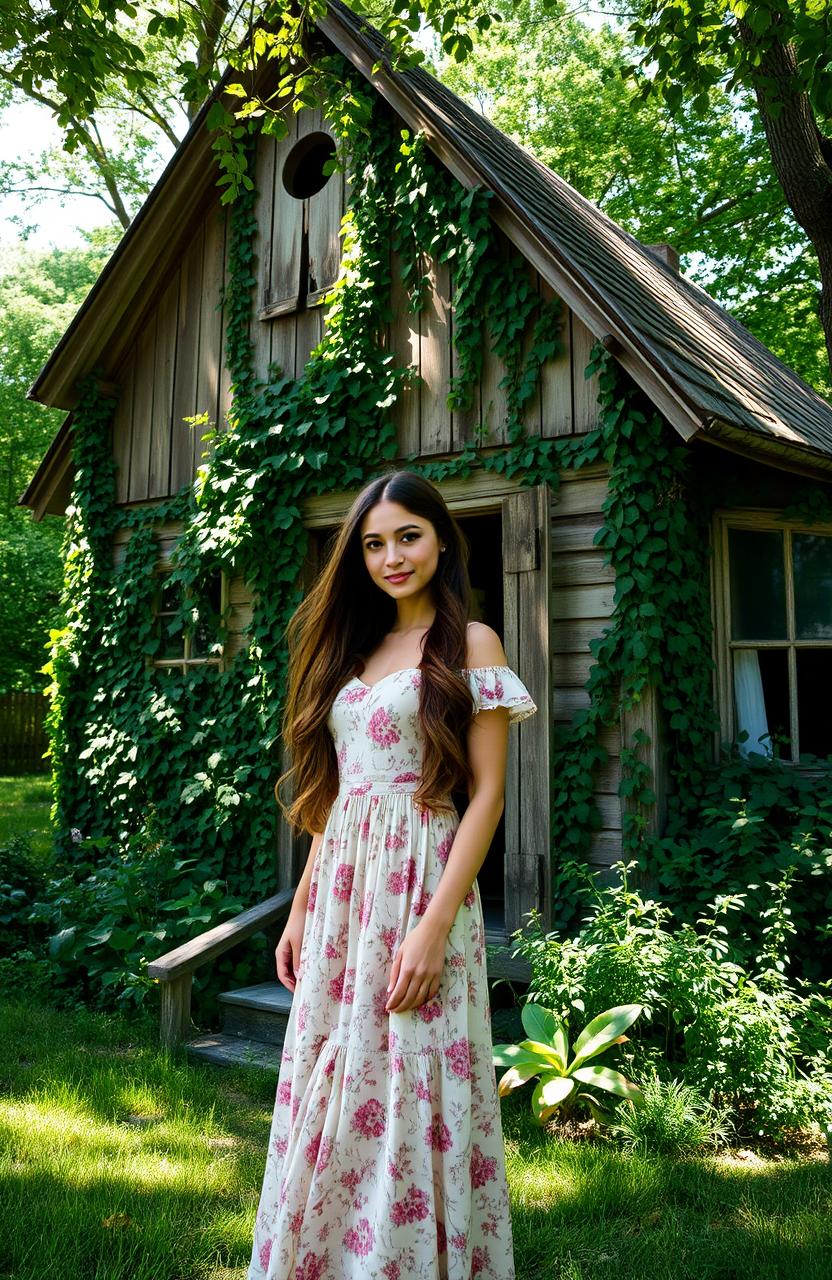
(545, 1054)
(691, 48)
(775, 55)
(674, 1118)
(748, 1036)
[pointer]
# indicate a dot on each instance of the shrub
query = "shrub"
(21, 880)
(673, 1118)
(96, 920)
(754, 822)
(752, 1039)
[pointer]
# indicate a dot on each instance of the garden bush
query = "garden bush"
(89, 925)
(672, 1118)
(752, 822)
(750, 1038)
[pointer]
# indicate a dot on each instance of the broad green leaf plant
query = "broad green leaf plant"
(545, 1054)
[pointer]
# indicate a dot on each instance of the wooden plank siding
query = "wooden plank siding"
(582, 594)
(565, 402)
(173, 371)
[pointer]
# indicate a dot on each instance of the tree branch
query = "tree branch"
(155, 117)
(59, 191)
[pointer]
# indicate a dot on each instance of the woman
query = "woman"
(385, 1158)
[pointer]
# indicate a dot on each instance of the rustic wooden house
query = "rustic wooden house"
(154, 324)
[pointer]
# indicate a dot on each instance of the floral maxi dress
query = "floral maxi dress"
(385, 1157)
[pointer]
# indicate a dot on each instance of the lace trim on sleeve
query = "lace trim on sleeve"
(500, 687)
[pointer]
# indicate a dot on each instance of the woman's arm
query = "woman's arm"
(416, 971)
(487, 755)
(301, 898)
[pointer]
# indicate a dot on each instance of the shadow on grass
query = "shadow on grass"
(122, 1162)
(582, 1210)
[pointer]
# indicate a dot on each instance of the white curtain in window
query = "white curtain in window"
(751, 705)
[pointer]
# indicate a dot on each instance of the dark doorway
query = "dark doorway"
(485, 538)
(485, 565)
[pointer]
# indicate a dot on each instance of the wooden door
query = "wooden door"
(526, 595)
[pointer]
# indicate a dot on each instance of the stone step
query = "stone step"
(258, 1013)
(231, 1051)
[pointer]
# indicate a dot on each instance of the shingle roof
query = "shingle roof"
(700, 366)
(716, 367)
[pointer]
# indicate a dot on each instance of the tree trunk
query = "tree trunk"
(214, 13)
(800, 154)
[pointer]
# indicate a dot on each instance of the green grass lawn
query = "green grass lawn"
(24, 810)
(121, 1162)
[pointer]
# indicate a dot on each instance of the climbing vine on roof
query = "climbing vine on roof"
(187, 762)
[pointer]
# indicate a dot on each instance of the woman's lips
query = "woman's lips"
(398, 577)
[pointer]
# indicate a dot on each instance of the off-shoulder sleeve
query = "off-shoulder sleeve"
(500, 687)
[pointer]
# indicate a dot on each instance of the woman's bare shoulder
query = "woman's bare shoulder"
(484, 647)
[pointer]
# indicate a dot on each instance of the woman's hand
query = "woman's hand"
(417, 967)
(287, 951)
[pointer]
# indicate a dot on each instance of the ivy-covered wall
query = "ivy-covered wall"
(187, 763)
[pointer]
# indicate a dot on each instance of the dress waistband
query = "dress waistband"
(378, 784)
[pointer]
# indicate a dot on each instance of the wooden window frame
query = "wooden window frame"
(761, 520)
(189, 660)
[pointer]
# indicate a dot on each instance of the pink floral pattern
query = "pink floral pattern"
(385, 1157)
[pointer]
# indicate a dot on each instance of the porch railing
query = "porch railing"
(175, 970)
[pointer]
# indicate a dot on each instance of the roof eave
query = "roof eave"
(54, 470)
(802, 459)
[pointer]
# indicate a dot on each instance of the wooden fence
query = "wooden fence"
(23, 738)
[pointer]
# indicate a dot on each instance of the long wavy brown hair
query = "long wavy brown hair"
(341, 621)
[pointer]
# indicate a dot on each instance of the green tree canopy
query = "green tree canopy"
(705, 183)
(776, 56)
(39, 293)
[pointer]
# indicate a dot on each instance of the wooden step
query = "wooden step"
(257, 1013)
(266, 1007)
(231, 1051)
(502, 964)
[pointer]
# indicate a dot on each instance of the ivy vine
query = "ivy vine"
(200, 751)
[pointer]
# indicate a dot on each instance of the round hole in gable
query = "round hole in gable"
(303, 172)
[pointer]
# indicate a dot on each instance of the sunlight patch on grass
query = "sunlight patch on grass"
(61, 1132)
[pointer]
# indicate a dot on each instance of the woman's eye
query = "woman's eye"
(374, 544)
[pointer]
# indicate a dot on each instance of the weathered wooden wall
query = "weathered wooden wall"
(582, 596)
(175, 366)
(174, 369)
(565, 403)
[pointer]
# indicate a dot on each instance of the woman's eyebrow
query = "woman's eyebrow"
(400, 529)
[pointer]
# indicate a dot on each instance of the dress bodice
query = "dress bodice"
(376, 730)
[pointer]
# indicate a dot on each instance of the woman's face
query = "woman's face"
(401, 550)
